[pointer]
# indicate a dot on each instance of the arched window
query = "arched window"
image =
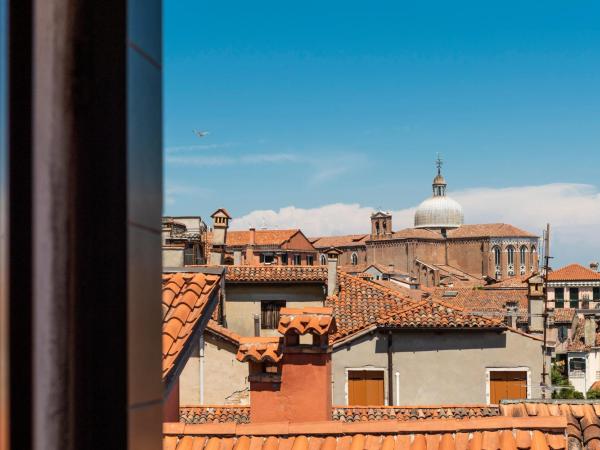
(354, 259)
(510, 250)
(497, 257)
(523, 259)
(497, 260)
(323, 260)
(532, 259)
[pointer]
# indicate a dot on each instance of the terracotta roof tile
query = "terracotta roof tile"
(488, 230)
(275, 274)
(564, 315)
(576, 342)
(573, 272)
(304, 320)
(370, 413)
(214, 414)
(494, 433)
(436, 314)
(262, 237)
(185, 298)
(225, 333)
(260, 349)
(416, 233)
(350, 240)
(490, 303)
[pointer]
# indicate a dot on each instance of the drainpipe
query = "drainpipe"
(201, 351)
(397, 388)
(389, 369)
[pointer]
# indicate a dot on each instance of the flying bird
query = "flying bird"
(201, 134)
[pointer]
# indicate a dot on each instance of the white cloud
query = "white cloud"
(573, 210)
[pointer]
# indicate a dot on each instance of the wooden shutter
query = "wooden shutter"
(365, 388)
(508, 385)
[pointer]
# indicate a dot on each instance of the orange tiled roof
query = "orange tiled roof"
(488, 230)
(436, 314)
(370, 413)
(359, 303)
(490, 433)
(224, 333)
(274, 274)
(260, 349)
(241, 414)
(564, 315)
(490, 303)
(262, 237)
(304, 320)
(583, 417)
(518, 281)
(185, 299)
(577, 342)
(350, 240)
(214, 414)
(417, 233)
(573, 272)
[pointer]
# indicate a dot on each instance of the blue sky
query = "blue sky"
(314, 103)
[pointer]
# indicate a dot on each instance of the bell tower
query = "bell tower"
(381, 225)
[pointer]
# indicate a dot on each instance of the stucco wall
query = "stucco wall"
(435, 368)
(243, 302)
(172, 257)
(225, 378)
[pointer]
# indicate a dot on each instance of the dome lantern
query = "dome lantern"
(439, 211)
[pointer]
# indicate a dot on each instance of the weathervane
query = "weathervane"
(439, 163)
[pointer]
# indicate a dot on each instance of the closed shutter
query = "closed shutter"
(365, 388)
(508, 385)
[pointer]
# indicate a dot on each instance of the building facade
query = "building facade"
(574, 287)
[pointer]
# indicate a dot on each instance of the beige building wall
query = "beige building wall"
(225, 378)
(172, 257)
(243, 302)
(433, 368)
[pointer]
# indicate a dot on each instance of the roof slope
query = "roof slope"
(573, 272)
(488, 230)
(186, 299)
(490, 433)
(262, 237)
(361, 304)
(350, 240)
(436, 314)
(490, 303)
(583, 417)
(276, 274)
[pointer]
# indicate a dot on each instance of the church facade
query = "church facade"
(440, 246)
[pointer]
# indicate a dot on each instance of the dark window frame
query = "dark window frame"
(269, 313)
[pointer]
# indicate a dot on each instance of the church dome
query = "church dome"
(439, 211)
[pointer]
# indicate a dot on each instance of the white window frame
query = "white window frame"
(371, 368)
(489, 370)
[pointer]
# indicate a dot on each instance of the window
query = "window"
(269, 314)
(267, 258)
(497, 258)
(323, 260)
(365, 388)
(559, 297)
(297, 260)
(563, 333)
(284, 259)
(574, 297)
(310, 260)
(511, 255)
(523, 259)
(596, 293)
(354, 259)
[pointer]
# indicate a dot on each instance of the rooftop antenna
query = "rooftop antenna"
(439, 163)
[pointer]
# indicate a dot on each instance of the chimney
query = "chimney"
(332, 264)
(511, 314)
(219, 239)
(594, 266)
(250, 246)
(535, 301)
(237, 257)
(589, 331)
(290, 379)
